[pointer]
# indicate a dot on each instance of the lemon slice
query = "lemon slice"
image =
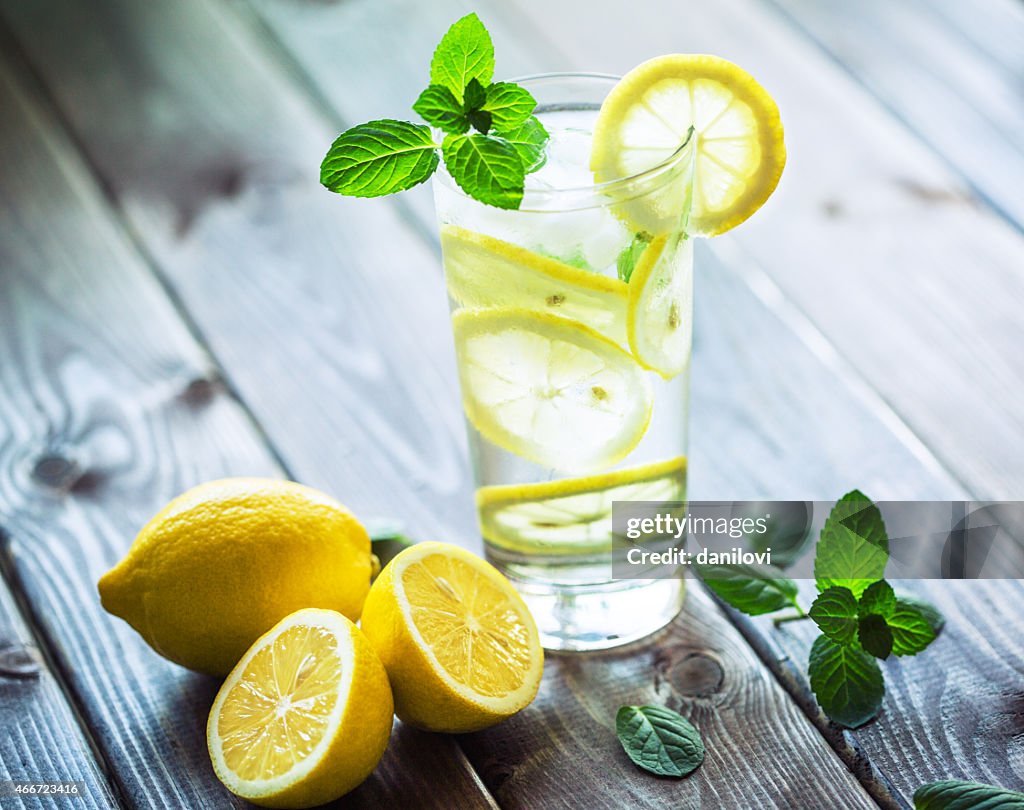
(550, 389)
(459, 644)
(304, 716)
(573, 515)
(483, 271)
(739, 146)
(660, 317)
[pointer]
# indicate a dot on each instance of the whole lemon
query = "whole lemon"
(223, 563)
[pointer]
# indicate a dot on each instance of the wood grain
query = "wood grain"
(40, 739)
(111, 408)
(968, 107)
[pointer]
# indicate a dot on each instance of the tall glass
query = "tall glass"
(572, 319)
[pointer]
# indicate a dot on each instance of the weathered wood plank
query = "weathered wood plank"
(110, 409)
(954, 96)
(40, 739)
(760, 753)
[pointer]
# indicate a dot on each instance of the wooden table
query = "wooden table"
(180, 301)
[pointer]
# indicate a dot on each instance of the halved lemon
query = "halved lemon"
(739, 148)
(572, 515)
(549, 389)
(459, 644)
(483, 271)
(305, 715)
(659, 321)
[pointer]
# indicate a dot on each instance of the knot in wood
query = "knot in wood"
(56, 471)
(17, 661)
(696, 674)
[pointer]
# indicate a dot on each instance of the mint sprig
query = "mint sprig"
(860, 616)
(489, 164)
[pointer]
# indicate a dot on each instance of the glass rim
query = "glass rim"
(594, 190)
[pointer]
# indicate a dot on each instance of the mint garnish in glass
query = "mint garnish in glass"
(491, 139)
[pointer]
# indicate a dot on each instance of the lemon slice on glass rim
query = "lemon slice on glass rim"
(739, 151)
(572, 515)
(550, 389)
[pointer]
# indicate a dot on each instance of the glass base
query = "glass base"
(598, 617)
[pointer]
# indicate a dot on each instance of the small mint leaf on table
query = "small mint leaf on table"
(509, 104)
(487, 169)
(835, 613)
(659, 740)
(464, 53)
(878, 599)
(625, 264)
(874, 635)
(957, 794)
(380, 157)
(752, 589)
(529, 140)
(846, 682)
(911, 629)
(438, 107)
(854, 547)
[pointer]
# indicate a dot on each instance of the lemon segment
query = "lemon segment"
(660, 316)
(572, 515)
(305, 715)
(460, 647)
(224, 562)
(739, 148)
(483, 271)
(549, 389)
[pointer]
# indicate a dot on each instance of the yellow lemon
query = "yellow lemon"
(225, 561)
(304, 717)
(739, 152)
(460, 647)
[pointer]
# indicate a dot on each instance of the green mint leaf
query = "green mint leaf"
(509, 104)
(529, 140)
(874, 635)
(752, 589)
(835, 613)
(481, 120)
(380, 157)
(464, 53)
(438, 107)
(846, 681)
(659, 740)
(487, 169)
(911, 630)
(474, 96)
(956, 794)
(936, 621)
(854, 548)
(626, 262)
(878, 599)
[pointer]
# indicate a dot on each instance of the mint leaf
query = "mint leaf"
(380, 157)
(874, 635)
(957, 794)
(659, 740)
(529, 139)
(464, 53)
(438, 107)
(936, 621)
(488, 169)
(835, 613)
(752, 589)
(854, 548)
(474, 96)
(911, 630)
(509, 104)
(846, 681)
(878, 599)
(626, 262)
